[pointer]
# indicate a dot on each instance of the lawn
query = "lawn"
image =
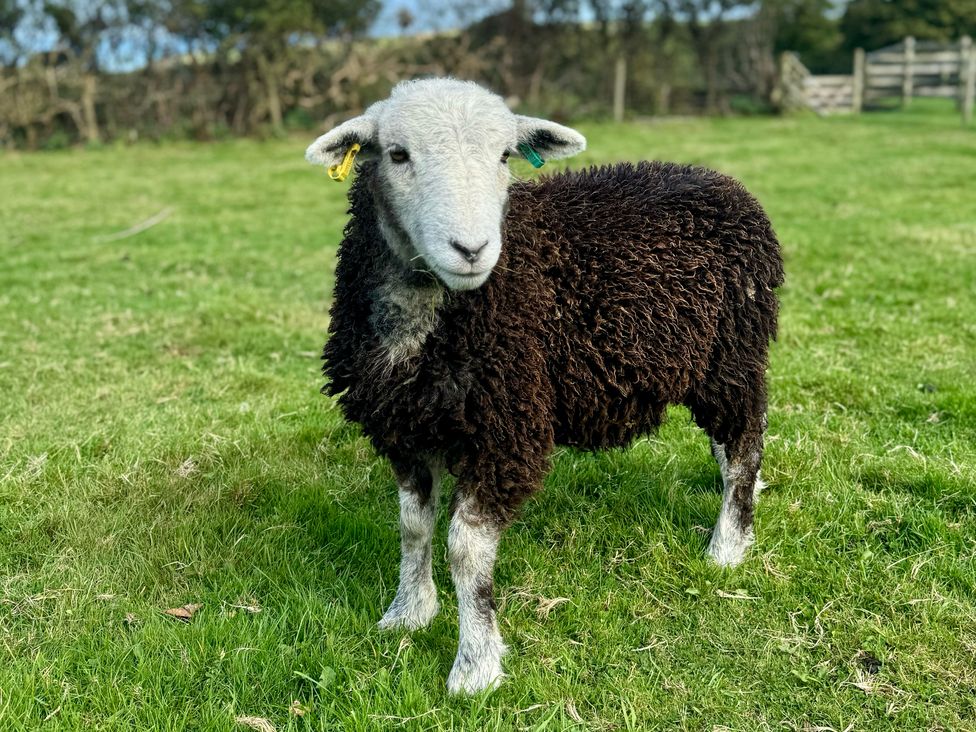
(163, 442)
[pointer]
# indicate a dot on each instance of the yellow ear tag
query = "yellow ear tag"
(340, 172)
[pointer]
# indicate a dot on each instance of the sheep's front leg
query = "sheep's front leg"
(472, 547)
(415, 604)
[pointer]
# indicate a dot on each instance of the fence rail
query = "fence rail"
(902, 71)
(829, 94)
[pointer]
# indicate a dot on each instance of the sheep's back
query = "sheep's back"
(644, 265)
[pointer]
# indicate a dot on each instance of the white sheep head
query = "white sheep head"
(441, 190)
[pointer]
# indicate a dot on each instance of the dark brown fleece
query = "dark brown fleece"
(619, 290)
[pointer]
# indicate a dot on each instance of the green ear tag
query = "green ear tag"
(531, 155)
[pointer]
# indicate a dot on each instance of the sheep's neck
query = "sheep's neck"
(404, 312)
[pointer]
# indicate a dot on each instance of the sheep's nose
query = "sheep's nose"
(468, 251)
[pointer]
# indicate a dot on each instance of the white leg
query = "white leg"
(730, 541)
(733, 535)
(415, 604)
(472, 547)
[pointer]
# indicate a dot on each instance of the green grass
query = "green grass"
(163, 442)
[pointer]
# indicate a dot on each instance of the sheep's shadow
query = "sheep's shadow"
(627, 483)
(348, 512)
(355, 533)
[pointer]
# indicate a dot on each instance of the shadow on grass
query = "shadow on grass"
(324, 518)
(950, 494)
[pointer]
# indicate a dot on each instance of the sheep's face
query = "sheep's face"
(442, 148)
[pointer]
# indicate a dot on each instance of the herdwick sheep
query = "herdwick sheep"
(477, 323)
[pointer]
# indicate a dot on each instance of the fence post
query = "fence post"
(906, 87)
(965, 48)
(619, 88)
(663, 99)
(88, 111)
(970, 89)
(790, 93)
(857, 83)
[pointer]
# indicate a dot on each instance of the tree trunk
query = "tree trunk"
(663, 99)
(710, 64)
(268, 74)
(535, 85)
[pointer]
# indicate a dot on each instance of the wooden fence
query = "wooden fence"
(899, 72)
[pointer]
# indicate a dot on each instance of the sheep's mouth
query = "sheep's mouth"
(460, 280)
(450, 278)
(464, 275)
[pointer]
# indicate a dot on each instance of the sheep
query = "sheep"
(479, 322)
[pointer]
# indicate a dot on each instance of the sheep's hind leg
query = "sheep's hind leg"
(739, 461)
(415, 604)
(718, 452)
(472, 548)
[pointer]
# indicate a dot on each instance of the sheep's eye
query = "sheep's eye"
(505, 156)
(399, 155)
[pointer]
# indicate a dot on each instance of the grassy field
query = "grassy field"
(163, 443)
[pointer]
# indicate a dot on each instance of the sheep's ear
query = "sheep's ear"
(549, 140)
(330, 148)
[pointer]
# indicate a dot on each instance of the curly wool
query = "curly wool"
(620, 290)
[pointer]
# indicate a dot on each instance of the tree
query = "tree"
(10, 14)
(404, 19)
(872, 24)
(264, 30)
(807, 28)
(276, 19)
(81, 27)
(708, 25)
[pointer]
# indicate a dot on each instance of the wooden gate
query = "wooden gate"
(895, 73)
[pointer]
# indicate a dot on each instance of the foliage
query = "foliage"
(807, 28)
(78, 24)
(164, 444)
(275, 20)
(258, 66)
(872, 24)
(11, 11)
(10, 14)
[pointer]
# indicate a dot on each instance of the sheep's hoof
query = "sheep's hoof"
(411, 611)
(729, 548)
(473, 675)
